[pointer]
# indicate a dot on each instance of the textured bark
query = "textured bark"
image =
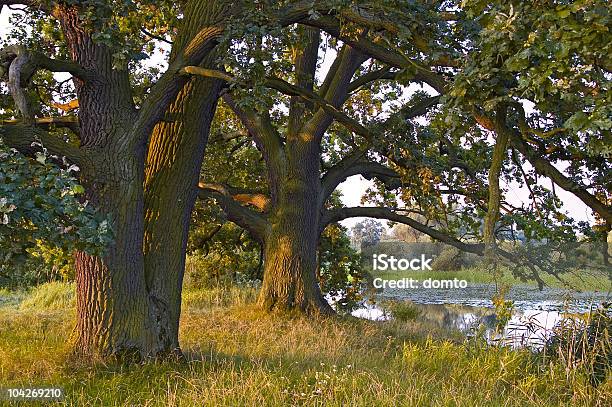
(129, 303)
(290, 257)
(112, 305)
(291, 242)
(497, 162)
(174, 159)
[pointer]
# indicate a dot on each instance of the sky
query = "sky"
(354, 187)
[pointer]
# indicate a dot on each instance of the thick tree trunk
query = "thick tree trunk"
(290, 280)
(290, 246)
(173, 168)
(113, 316)
(112, 305)
(173, 164)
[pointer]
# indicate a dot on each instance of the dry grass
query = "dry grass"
(239, 356)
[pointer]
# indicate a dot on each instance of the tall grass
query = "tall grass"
(239, 356)
(50, 296)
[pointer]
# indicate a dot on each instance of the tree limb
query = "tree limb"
(246, 218)
(545, 168)
(497, 161)
(336, 93)
(383, 54)
(354, 164)
(305, 62)
(338, 214)
(257, 199)
(365, 79)
(38, 60)
(24, 138)
(265, 136)
(166, 89)
(287, 89)
(69, 122)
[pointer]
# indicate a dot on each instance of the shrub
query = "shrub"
(402, 311)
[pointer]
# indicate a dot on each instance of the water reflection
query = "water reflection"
(472, 313)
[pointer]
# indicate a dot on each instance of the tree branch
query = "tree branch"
(69, 122)
(23, 138)
(497, 162)
(37, 60)
(266, 139)
(257, 199)
(336, 93)
(166, 89)
(354, 164)
(21, 64)
(365, 79)
(383, 54)
(305, 62)
(244, 217)
(336, 215)
(543, 166)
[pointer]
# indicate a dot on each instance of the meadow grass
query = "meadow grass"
(238, 355)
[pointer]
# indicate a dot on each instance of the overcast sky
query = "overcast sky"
(354, 187)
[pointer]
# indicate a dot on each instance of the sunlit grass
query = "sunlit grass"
(240, 356)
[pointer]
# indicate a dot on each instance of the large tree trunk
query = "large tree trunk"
(290, 246)
(112, 305)
(173, 165)
(174, 162)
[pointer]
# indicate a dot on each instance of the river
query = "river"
(535, 313)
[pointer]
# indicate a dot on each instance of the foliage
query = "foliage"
(402, 311)
(219, 253)
(42, 213)
(503, 308)
(367, 233)
(341, 274)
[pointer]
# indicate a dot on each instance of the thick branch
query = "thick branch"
(336, 215)
(171, 82)
(353, 164)
(497, 161)
(24, 138)
(543, 166)
(246, 218)
(21, 64)
(305, 62)
(265, 136)
(383, 54)
(365, 79)
(69, 122)
(336, 93)
(257, 199)
(37, 60)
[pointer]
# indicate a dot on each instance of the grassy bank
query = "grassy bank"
(239, 356)
(579, 280)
